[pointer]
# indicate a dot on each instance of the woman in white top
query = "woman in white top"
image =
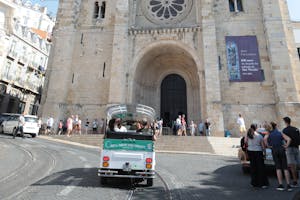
(255, 151)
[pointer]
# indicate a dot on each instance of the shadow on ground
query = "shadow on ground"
(9, 136)
(229, 182)
(84, 177)
(224, 183)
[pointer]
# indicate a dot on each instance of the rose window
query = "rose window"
(167, 10)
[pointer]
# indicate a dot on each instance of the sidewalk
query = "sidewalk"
(169, 144)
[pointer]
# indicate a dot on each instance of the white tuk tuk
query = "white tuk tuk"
(128, 146)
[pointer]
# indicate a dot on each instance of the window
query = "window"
(99, 11)
(298, 49)
(239, 5)
(236, 6)
(96, 10)
(102, 10)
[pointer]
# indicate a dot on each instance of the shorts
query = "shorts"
(292, 155)
(49, 127)
(242, 129)
(279, 158)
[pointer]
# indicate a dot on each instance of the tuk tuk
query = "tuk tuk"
(128, 145)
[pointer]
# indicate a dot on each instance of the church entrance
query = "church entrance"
(167, 78)
(173, 98)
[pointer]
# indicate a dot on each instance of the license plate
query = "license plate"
(126, 167)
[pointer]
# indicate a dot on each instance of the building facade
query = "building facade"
(208, 59)
(25, 39)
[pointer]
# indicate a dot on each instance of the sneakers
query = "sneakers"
(264, 187)
(294, 185)
(280, 188)
(289, 188)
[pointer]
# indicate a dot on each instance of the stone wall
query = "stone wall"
(124, 58)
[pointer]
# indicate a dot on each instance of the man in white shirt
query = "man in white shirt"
(21, 124)
(118, 126)
(50, 123)
(178, 125)
(242, 126)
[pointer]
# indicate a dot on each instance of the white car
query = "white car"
(31, 126)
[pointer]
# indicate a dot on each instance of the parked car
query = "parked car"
(4, 117)
(31, 126)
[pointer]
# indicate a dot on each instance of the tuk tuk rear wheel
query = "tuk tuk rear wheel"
(150, 182)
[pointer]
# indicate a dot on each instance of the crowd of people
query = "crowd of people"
(285, 151)
(73, 125)
(180, 127)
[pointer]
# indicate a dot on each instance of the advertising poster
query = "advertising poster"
(243, 59)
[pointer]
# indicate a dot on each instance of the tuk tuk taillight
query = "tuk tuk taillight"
(148, 166)
(149, 160)
(105, 158)
(105, 164)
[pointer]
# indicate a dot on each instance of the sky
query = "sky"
(51, 5)
(294, 6)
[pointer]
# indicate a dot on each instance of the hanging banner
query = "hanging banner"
(243, 59)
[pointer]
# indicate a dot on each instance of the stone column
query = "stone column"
(284, 73)
(211, 67)
(118, 81)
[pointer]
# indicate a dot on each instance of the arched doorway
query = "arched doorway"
(154, 66)
(173, 98)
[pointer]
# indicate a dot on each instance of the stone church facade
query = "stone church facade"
(172, 55)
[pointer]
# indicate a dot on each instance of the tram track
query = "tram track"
(23, 165)
(19, 184)
(168, 195)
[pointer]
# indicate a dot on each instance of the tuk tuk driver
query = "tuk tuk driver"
(119, 127)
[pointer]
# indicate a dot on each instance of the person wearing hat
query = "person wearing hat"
(292, 152)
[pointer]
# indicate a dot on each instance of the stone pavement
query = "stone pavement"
(170, 144)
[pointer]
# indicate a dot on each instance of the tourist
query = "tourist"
(255, 149)
(95, 126)
(75, 123)
(201, 128)
(242, 126)
(87, 123)
(50, 122)
(21, 123)
(70, 126)
(292, 152)
(156, 127)
(160, 126)
(278, 142)
(183, 125)
(207, 125)
(79, 126)
(178, 125)
(119, 127)
(192, 128)
(60, 127)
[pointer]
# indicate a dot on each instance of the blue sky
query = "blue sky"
(52, 5)
(294, 6)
